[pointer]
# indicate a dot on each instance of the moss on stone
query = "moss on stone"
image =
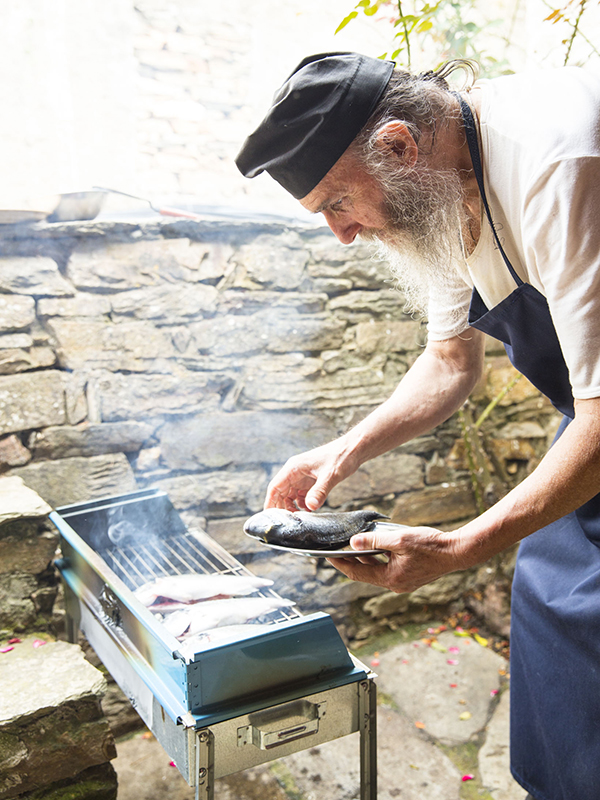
(95, 783)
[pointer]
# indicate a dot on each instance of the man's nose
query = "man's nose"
(346, 231)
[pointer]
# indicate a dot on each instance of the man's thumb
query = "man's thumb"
(317, 495)
(364, 541)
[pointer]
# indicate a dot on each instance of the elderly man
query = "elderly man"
(487, 205)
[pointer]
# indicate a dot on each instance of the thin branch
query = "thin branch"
(492, 405)
(406, 34)
(575, 29)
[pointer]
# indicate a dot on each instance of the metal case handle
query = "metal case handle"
(276, 726)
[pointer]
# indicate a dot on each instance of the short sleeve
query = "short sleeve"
(448, 310)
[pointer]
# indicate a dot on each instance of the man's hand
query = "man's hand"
(416, 556)
(434, 387)
(305, 480)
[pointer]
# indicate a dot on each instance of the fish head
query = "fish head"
(268, 523)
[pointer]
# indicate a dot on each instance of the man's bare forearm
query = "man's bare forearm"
(437, 384)
(566, 478)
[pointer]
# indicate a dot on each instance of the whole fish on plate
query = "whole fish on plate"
(308, 530)
(191, 587)
(215, 613)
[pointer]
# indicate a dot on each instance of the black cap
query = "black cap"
(314, 118)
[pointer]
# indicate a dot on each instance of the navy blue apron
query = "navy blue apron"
(555, 623)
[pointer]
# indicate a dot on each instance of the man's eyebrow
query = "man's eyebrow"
(325, 204)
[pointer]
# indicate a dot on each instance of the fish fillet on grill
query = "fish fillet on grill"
(191, 587)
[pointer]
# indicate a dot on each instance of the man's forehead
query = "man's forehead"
(338, 180)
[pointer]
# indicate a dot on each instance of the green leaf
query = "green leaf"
(346, 20)
(426, 25)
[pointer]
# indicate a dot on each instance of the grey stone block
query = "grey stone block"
(218, 494)
(90, 440)
(418, 678)
(69, 480)
(494, 756)
(36, 275)
(51, 724)
(32, 401)
(247, 437)
(405, 761)
(16, 312)
(18, 501)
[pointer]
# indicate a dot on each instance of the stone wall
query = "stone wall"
(54, 739)
(197, 357)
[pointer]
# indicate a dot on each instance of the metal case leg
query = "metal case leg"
(205, 765)
(367, 710)
(72, 614)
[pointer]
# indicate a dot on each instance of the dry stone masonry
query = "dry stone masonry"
(54, 739)
(198, 356)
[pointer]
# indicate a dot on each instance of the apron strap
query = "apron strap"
(472, 141)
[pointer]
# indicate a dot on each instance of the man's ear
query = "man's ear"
(395, 138)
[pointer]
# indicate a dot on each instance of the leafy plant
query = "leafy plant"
(445, 29)
(449, 29)
(570, 16)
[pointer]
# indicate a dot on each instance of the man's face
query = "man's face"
(350, 199)
(413, 214)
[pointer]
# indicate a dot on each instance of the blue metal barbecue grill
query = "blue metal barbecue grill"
(230, 706)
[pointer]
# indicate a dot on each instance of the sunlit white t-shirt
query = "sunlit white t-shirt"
(540, 138)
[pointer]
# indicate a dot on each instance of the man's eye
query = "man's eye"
(338, 204)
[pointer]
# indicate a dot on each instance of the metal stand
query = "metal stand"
(254, 736)
(205, 762)
(367, 715)
(72, 614)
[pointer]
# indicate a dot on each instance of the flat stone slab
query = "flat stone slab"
(18, 500)
(494, 756)
(447, 690)
(36, 680)
(51, 723)
(409, 766)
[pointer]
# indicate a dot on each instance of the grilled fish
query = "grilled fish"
(310, 531)
(226, 633)
(215, 613)
(192, 587)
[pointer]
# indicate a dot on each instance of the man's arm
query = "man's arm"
(436, 385)
(567, 477)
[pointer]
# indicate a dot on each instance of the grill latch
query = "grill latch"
(285, 723)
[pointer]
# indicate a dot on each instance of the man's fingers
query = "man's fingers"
(316, 495)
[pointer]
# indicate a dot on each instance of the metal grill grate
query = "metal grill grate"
(192, 551)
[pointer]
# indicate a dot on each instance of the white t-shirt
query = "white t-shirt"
(540, 137)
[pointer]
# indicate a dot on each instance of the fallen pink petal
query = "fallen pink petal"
(468, 777)
(494, 692)
(375, 662)
(38, 643)
(6, 649)
(15, 641)
(172, 764)
(454, 650)
(452, 661)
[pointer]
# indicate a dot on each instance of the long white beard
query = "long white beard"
(422, 239)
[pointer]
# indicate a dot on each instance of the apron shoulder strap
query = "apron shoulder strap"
(472, 141)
